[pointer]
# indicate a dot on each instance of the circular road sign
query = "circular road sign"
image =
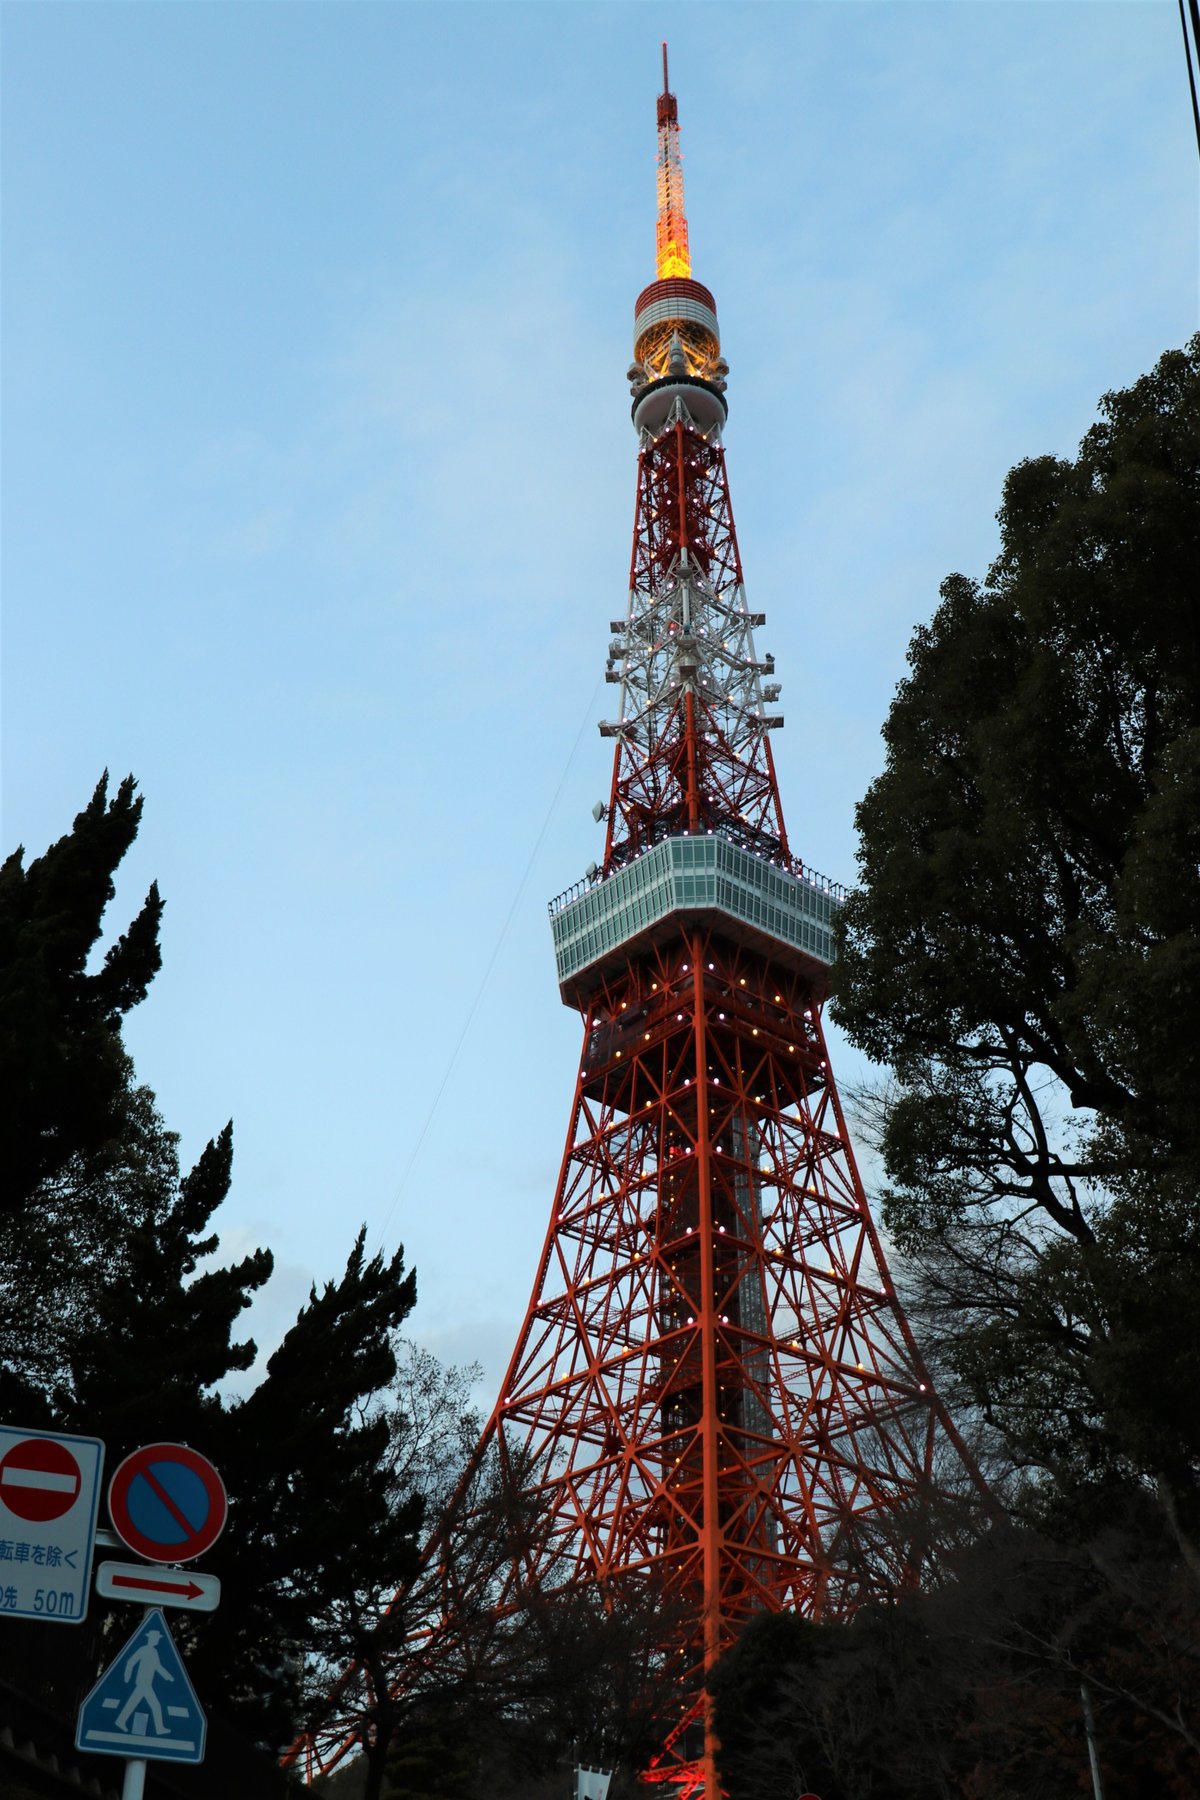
(167, 1502)
(39, 1480)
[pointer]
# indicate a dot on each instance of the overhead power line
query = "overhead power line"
(1193, 9)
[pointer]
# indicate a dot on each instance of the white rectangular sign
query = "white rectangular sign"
(592, 1784)
(49, 1495)
(149, 1584)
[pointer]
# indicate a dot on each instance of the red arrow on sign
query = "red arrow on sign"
(190, 1590)
(193, 1590)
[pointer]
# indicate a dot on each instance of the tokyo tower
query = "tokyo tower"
(714, 1386)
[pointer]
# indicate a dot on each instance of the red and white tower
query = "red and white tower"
(714, 1380)
(714, 1386)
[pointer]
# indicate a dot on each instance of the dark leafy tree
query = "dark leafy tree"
(568, 1677)
(369, 1621)
(106, 1317)
(118, 1320)
(62, 1065)
(437, 1756)
(148, 1347)
(141, 1354)
(1025, 952)
(974, 1691)
(463, 1682)
(55, 1252)
(316, 1509)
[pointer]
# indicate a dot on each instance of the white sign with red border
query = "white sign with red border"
(150, 1586)
(49, 1496)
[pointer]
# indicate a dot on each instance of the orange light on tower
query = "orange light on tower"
(673, 255)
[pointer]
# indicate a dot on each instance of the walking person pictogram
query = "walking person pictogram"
(143, 1667)
(144, 1706)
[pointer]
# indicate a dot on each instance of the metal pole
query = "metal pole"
(1089, 1725)
(135, 1767)
(135, 1779)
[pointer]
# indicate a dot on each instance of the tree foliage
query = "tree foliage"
(974, 1691)
(467, 1681)
(62, 1065)
(118, 1319)
(1024, 951)
(140, 1350)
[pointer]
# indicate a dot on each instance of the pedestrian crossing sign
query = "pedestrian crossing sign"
(143, 1704)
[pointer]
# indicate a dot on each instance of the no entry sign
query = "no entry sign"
(167, 1502)
(40, 1479)
(49, 1494)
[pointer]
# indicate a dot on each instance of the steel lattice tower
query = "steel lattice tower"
(714, 1386)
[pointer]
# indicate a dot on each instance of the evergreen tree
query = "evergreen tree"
(1025, 952)
(62, 1066)
(317, 1511)
(111, 1257)
(149, 1346)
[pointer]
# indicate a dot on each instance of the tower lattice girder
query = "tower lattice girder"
(692, 753)
(714, 1393)
(711, 1309)
(714, 1380)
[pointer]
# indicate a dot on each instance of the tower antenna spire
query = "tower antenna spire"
(674, 258)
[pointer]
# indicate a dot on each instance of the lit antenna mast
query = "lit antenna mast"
(673, 256)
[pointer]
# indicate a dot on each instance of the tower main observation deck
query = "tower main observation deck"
(714, 1392)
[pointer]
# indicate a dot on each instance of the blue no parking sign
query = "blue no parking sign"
(167, 1502)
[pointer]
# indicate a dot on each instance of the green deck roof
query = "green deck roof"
(760, 901)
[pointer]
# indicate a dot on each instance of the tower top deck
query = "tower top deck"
(676, 337)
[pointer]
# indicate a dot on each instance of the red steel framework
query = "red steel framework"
(714, 1389)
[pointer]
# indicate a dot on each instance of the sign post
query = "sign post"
(49, 1495)
(168, 1504)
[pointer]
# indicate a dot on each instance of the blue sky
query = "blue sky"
(318, 485)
